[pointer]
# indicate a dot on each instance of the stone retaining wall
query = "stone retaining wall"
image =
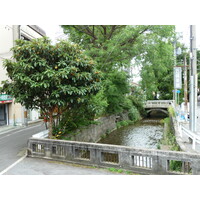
(93, 132)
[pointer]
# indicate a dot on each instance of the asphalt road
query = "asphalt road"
(13, 160)
(13, 143)
(36, 166)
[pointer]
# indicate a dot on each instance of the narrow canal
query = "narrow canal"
(143, 134)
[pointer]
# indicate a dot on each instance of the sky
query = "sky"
(52, 31)
(185, 31)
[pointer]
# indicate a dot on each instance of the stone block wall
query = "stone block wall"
(93, 132)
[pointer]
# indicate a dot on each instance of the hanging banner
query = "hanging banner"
(177, 77)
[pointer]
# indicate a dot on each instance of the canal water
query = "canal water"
(144, 134)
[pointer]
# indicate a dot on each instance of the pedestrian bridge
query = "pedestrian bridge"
(158, 105)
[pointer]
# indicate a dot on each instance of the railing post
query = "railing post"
(194, 142)
(180, 129)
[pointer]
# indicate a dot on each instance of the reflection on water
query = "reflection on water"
(144, 134)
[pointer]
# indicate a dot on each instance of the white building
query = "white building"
(12, 113)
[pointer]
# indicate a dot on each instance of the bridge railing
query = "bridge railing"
(158, 103)
(142, 161)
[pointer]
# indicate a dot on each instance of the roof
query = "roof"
(38, 29)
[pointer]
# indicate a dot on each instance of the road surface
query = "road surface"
(13, 143)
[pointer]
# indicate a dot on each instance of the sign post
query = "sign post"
(177, 82)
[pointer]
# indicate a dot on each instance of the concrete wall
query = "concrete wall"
(93, 132)
(140, 161)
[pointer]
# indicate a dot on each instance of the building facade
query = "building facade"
(12, 113)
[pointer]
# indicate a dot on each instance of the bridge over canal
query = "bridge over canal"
(158, 105)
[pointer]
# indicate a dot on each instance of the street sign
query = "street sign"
(5, 98)
(177, 78)
(178, 91)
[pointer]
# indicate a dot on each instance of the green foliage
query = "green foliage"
(165, 120)
(116, 88)
(110, 45)
(134, 114)
(137, 98)
(45, 75)
(97, 104)
(114, 46)
(158, 146)
(78, 116)
(171, 111)
(124, 123)
(169, 138)
(50, 77)
(112, 169)
(157, 62)
(175, 165)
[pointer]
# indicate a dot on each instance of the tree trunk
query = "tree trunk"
(50, 124)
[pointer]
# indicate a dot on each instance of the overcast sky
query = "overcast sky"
(52, 31)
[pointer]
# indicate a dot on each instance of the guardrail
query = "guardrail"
(159, 103)
(43, 134)
(142, 161)
(195, 138)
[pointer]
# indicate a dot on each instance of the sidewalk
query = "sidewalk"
(6, 128)
(184, 142)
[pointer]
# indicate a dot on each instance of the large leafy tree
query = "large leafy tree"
(157, 71)
(157, 65)
(109, 45)
(114, 46)
(51, 77)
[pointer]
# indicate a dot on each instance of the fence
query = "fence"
(140, 161)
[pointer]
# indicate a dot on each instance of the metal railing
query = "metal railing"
(195, 138)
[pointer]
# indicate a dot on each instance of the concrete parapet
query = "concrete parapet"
(142, 161)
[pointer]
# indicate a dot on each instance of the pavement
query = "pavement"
(184, 143)
(36, 166)
(6, 128)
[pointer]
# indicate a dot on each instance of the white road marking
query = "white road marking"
(11, 166)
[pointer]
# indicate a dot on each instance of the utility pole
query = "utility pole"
(193, 80)
(185, 86)
(174, 92)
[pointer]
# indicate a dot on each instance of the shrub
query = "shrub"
(171, 111)
(134, 114)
